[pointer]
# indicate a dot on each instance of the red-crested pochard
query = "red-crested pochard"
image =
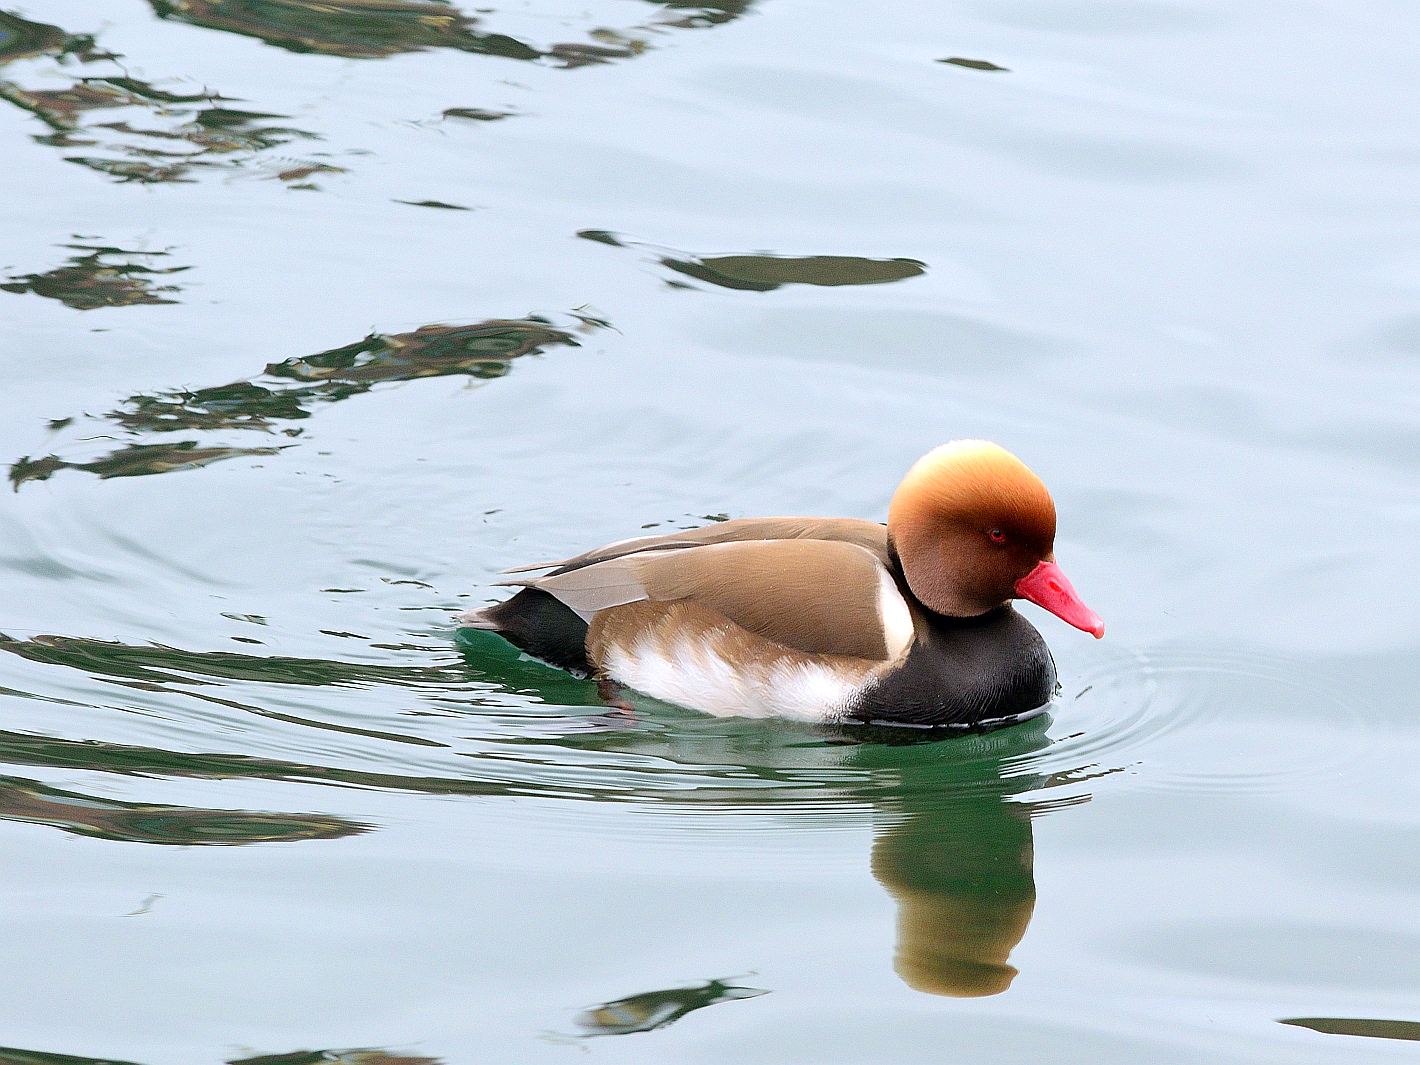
(824, 619)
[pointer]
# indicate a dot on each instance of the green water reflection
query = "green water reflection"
(953, 845)
(484, 351)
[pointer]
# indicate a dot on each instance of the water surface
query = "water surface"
(320, 315)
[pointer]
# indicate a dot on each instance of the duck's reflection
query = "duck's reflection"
(956, 853)
(965, 893)
(960, 913)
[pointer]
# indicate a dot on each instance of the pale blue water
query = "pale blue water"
(1170, 256)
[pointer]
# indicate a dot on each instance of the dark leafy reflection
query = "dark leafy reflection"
(105, 277)
(14, 1056)
(136, 460)
(973, 64)
(21, 39)
(1362, 1026)
(335, 1057)
(357, 29)
(477, 114)
(85, 815)
(135, 131)
(156, 664)
(656, 1009)
(713, 13)
(372, 29)
(440, 204)
(764, 273)
(291, 390)
(125, 127)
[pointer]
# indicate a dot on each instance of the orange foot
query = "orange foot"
(611, 693)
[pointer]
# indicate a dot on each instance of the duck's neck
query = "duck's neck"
(936, 617)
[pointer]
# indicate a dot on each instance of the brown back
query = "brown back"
(867, 534)
(816, 596)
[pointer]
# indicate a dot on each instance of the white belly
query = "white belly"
(694, 671)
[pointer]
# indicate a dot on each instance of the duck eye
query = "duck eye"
(997, 536)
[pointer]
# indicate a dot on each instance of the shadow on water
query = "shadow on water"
(292, 390)
(765, 273)
(953, 842)
(373, 29)
(178, 136)
(15, 1056)
(105, 277)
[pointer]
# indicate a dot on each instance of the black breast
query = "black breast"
(969, 673)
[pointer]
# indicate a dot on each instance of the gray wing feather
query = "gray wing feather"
(864, 533)
(592, 588)
(611, 551)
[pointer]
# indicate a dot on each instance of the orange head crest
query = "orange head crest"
(974, 528)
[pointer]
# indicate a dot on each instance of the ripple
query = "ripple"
(491, 723)
(1205, 720)
(496, 723)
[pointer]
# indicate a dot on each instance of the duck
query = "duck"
(823, 620)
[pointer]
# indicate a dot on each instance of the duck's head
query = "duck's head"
(974, 528)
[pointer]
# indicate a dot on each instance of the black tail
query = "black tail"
(541, 625)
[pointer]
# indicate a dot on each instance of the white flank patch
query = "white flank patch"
(689, 671)
(898, 632)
